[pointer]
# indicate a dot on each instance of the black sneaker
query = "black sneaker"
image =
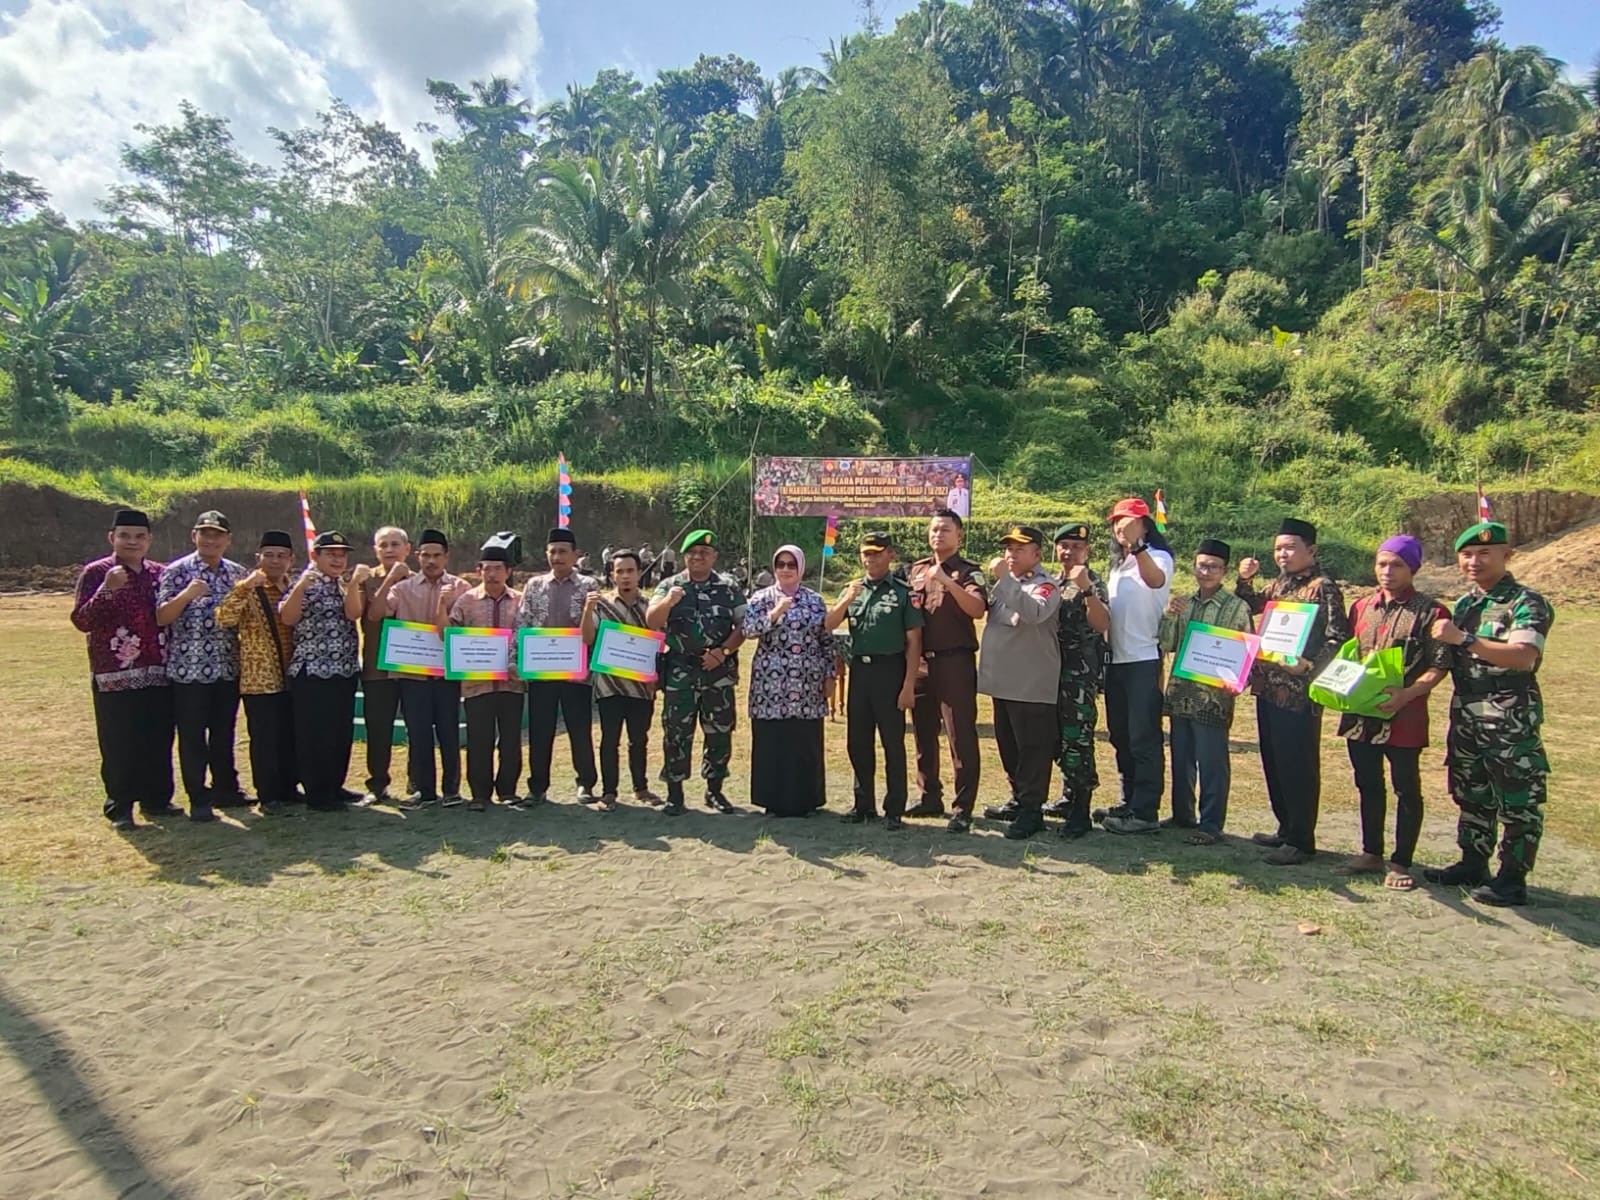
(1270, 840)
(856, 817)
(273, 808)
(1025, 825)
(232, 800)
(926, 808)
(1506, 890)
(586, 795)
(892, 824)
(960, 823)
(1002, 812)
(124, 824)
(1100, 815)
(1469, 872)
(1061, 806)
(1073, 832)
(201, 814)
(168, 809)
(337, 804)
(1177, 822)
(719, 802)
(674, 805)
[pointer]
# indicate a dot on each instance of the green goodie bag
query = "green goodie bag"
(1352, 684)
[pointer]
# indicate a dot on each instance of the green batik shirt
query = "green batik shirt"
(1186, 698)
(1507, 612)
(881, 615)
(706, 617)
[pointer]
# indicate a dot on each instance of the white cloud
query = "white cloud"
(77, 75)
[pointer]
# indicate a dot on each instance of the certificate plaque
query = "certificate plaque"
(476, 653)
(1285, 628)
(411, 648)
(626, 651)
(1216, 657)
(552, 654)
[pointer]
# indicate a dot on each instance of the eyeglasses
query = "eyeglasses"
(1200, 566)
(787, 564)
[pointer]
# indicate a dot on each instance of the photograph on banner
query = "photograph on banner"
(472, 653)
(861, 487)
(1217, 657)
(411, 648)
(626, 651)
(552, 654)
(1285, 628)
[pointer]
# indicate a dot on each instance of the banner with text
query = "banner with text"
(861, 487)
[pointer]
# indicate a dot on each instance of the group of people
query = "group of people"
(174, 648)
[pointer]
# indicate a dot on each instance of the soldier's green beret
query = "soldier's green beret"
(1078, 531)
(700, 537)
(1484, 533)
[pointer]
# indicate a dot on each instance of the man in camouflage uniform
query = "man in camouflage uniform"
(1083, 622)
(1496, 758)
(700, 611)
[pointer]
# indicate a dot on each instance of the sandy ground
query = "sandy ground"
(565, 1003)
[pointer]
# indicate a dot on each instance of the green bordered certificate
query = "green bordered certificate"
(477, 653)
(1285, 628)
(626, 651)
(411, 648)
(1217, 657)
(548, 655)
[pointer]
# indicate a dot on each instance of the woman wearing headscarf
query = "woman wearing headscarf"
(789, 677)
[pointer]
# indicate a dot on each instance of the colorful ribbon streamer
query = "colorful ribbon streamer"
(563, 493)
(305, 519)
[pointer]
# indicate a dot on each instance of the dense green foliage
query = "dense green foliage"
(1102, 244)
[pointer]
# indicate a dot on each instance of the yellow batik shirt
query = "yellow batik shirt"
(260, 668)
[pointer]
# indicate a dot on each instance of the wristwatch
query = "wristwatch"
(1467, 639)
(1138, 548)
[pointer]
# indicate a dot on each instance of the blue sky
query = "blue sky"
(76, 76)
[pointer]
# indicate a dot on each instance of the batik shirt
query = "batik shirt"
(125, 643)
(1280, 686)
(611, 608)
(261, 667)
(198, 649)
(551, 603)
(326, 642)
(1187, 699)
(476, 609)
(707, 616)
(792, 659)
(1507, 612)
(1381, 621)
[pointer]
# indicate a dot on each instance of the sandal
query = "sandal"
(1361, 864)
(1200, 837)
(606, 803)
(1398, 879)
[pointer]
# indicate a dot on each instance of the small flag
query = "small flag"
(305, 519)
(1161, 514)
(1484, 513)
(830, 537)
(563, 493)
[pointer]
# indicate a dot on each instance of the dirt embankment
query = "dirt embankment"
(1528, 517)
(50, 534)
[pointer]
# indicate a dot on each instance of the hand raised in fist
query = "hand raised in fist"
(398, 572)
(1176, 605)
(1447, 632)
(197, 588)
(1249, 568)
(116, 579)
(361, 574)
(784, 604)
(1078, 577)
(675, 596)
(853, 590)
(256, 579)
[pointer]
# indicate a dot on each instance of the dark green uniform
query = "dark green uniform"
(879, 619)
(1082, 660)
(1496, 757)
(706, 617)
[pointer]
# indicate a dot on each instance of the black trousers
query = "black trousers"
(1133, 719)
(615, 712)
(433, 717)
(1027, 735)
(134, 729)
(873, 714)
(380, 702)
(1405, 772)
(324, 728)
(575, 702)
(494, 718)
(1291, 759)
(948, 696)
(273, 767)
(207, 715)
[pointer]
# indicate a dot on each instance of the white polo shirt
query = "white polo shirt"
(1136, 609)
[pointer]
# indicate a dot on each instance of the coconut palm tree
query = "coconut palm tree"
(768, 286)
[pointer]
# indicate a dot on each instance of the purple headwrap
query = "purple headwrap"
(1406, 548)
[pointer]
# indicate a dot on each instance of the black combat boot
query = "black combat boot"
(1508, 889)
(1471, 871)
(674, 804)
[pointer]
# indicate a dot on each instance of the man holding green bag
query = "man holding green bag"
(1395, 616)
(1496, 756)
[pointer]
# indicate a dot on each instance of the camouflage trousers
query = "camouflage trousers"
(711, 704)
(1497, 768)
(1078, 713)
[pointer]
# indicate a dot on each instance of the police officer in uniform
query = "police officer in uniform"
(1497, 764)
(953, 598)
(1081, 628)
(885, 648)
(1020, 667)
(700, 612)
